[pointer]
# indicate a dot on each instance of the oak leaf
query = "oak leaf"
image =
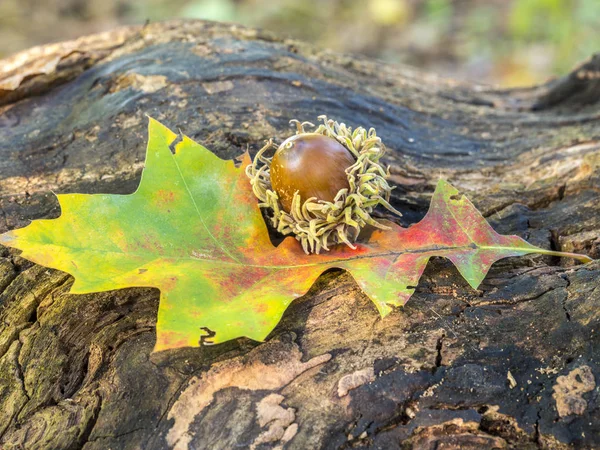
(193, 229)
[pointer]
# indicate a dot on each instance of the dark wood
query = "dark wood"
(512, 365)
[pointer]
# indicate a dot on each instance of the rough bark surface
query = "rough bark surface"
(512, 365)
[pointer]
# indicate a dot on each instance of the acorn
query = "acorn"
(312, 165)
(323, 185)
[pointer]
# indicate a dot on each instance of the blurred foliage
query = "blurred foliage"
(509, 42)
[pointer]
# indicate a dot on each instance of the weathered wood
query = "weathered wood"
(512, 365)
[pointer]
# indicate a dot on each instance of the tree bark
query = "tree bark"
(511, 365)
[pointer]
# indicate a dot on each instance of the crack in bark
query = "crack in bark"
(21, 378)
(34, 315)
(565, 277)
(116, 436)
(537, 434)
(515, 302)
(21, 373)
(439, 346)
(89, 427)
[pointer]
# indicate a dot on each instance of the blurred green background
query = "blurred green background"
(506, 42)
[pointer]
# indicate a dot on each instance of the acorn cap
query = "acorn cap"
(317, 223)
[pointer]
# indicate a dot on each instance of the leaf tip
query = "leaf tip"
(157, 129)
(244, 159)
(444, 184)
(159, 347)
(152, 121)
(384, 310)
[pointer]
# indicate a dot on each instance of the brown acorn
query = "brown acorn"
(322, 186)
(312, 165)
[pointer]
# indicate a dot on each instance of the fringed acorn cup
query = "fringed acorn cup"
(323, 185)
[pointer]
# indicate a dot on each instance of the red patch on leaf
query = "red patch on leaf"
(165, 197)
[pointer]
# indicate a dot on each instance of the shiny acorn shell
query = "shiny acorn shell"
(312, 165)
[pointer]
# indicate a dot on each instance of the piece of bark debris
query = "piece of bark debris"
(512, 383)
(569, 389)
(354, 380)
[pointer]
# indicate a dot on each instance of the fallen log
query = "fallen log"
(511, 365)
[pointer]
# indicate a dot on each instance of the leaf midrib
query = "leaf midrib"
(276, 267)
(217, 241)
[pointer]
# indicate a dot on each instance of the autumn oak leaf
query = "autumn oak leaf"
(193, 229)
